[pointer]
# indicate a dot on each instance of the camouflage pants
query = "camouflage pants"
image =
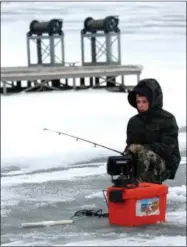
(150, 167)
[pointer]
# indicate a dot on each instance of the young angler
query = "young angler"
(152, 134)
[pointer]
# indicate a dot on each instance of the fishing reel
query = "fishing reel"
(122, 170)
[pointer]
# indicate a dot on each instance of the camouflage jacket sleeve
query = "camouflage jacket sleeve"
(168, 139)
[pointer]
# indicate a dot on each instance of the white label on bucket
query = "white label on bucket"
(147, 207)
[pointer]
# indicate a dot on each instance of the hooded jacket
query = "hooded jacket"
(157, 129)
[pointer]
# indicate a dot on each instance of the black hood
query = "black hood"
(154, 86)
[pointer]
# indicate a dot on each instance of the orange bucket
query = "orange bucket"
(145, 204)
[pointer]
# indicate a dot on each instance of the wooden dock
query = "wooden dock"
(40, 78)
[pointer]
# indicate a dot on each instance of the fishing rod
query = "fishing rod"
(79, 138)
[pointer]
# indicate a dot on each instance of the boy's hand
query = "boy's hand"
(135, 148)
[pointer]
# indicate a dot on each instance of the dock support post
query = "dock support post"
(91, 81)
(96, 81)
(4, 88)
(74, 83)
(138, 78)
(66, 82)
(82, 82)
(122, 81)
(56, 83)
(18, 86)
(110, 80)
(28, 83)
